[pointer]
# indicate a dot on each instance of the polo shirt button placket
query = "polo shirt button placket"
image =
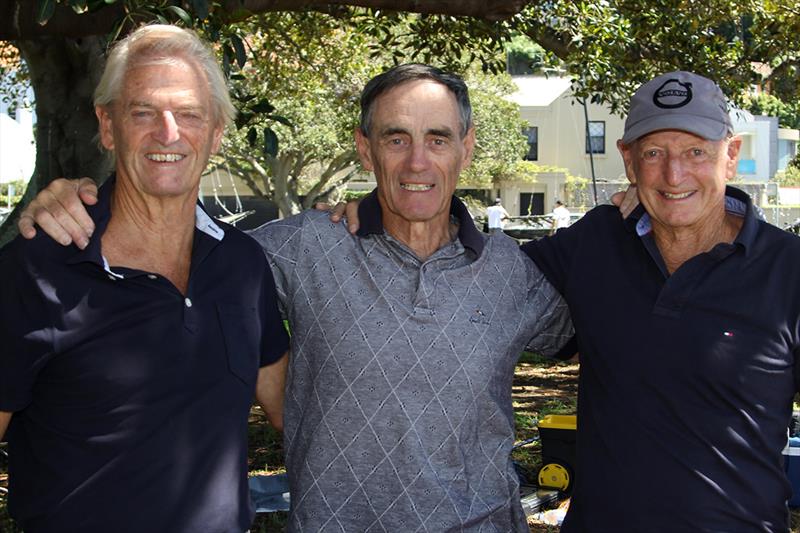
(190, 318)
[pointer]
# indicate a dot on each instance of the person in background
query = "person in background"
(561, 216)
(495, 215)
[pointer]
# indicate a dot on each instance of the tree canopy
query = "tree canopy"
(299, 106)
(609, 47)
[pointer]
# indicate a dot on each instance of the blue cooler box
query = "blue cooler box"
(791, 464)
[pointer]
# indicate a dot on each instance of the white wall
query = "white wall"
(548, 104)
(17, 147)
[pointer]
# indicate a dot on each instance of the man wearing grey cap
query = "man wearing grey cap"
(687, 316)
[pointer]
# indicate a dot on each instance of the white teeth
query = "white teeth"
(415, 187)
(670, 196)
(164, 158)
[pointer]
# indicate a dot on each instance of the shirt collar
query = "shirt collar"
(101, 215)
(371, 221)
(737, 202)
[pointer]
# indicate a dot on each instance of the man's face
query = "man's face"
(161, 129)
(416, 151)
(681, 177)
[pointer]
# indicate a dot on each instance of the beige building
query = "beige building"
(558, 137)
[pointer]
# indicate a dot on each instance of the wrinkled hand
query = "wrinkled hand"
(341, 210)
(626, 200)
(59, 211)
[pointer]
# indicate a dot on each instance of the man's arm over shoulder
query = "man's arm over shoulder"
(554, 255)
(553, 334)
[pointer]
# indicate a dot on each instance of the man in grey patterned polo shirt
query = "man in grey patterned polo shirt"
(398, 412)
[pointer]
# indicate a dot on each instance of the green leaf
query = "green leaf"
(181, 14)
(252, 137)
(283, 120)
(78, 6)
(226, 60)
(238, 46)
(263, 107)
(44, 10)
(242, 119)
(239, 15)
(94, 5)
(270, 143)
(200, 8)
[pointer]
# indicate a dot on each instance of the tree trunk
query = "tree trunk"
(283, 193)
(64, 73)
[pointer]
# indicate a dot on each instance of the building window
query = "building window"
(532, 133)
(596, 138)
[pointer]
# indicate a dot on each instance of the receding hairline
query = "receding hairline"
(443, 130)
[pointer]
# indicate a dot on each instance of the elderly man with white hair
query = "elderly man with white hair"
(128, 368)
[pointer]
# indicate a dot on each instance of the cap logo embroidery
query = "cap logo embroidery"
(672, 94)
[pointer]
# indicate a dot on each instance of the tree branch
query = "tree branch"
(18, 17)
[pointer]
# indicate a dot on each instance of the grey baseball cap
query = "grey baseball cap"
(678, 101)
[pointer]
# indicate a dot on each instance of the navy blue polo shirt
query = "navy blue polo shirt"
(686, 380)
(130, 399)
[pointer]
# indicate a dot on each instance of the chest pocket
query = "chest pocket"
(242, 334)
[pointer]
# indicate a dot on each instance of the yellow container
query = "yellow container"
(557, 434)
(559, 422)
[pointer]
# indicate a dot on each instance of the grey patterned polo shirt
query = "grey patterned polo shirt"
(398, 411)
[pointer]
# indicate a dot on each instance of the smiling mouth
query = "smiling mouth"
(416, 187)
(164, 158)
(677, 196)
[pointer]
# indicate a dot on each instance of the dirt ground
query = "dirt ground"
(541, 387)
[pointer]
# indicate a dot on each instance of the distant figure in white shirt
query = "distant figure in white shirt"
(560, 216)
(496, 214)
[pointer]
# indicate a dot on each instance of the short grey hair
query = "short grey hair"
(401, 74)
(157, 41)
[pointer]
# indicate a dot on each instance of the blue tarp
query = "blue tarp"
(269, 493)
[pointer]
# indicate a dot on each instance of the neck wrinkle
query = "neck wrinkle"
(677, 247)
(423, 238)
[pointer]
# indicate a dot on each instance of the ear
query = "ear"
(627, 157)
(732, 165)
(105, 127)
(364, 153)
(469, 147)
(217, 139)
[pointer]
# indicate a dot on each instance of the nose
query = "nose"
(167, 129)
(674, 170)
(419, 160)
